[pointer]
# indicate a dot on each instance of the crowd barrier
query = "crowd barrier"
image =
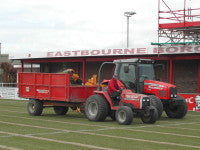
(193, 101)
(9, 91)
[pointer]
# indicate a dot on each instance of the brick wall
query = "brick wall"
(186, 76)
(161, 71)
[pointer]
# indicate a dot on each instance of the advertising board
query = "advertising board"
(193, 101)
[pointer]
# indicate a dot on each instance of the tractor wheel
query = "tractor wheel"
(156, 102)
(177, 111)
(150, 115)
(35, 107)
(60, 110)
(112, 115)
(124, 115)
(96, 108)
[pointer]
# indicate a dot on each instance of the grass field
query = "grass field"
(18, 130)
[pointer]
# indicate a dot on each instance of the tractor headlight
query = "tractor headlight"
(173, 92)
(145, 102)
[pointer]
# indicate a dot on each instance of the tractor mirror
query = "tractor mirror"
(126, 69)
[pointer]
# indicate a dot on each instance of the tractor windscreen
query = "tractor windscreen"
(146, 71)
(127, 75)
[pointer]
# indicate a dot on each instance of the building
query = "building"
(181, 63)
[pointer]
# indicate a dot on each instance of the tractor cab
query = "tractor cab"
(133, 72)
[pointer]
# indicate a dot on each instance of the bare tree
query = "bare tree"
(9, 73)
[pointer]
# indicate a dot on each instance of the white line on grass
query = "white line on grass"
(103, 126)
(65, 122)
(166, 125)
(165, 133)
(149, 141)
(180, 128)
(9, 148)
(107, 127)
(166, 121)
(57, 141)
(5, 136)
(194, 115)
(103, 135)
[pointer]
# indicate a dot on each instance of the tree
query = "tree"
(9, 73)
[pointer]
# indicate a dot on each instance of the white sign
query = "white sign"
(117, 52)
(127, 51)
(9, 93)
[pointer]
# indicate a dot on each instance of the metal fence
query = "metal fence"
(8, 84)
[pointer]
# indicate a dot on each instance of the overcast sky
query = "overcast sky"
(28, 26)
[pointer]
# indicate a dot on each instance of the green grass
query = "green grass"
(18, 130)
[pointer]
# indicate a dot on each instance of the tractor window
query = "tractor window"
(128, 77)
(146, 71)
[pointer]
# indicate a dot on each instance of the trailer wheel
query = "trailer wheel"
(35, 107)
(150, 115)
(124, 115)
(60, 110)
(156, 102)
(178, 110)
(96, 108)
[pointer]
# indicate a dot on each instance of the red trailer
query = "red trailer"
(52, 89)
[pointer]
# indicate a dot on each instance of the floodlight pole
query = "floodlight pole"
(128, 15)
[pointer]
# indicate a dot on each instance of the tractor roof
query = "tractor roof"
(133, 60)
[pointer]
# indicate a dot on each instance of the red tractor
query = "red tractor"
(143, 95)
(100, 105)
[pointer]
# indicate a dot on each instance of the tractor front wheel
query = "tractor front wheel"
(96, 108)
(150, 115)
(124, 115)
(178, 110)
(35, 107)
(156, 102)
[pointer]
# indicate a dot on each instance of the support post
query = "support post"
(199, 77)
(127, 44)
(31, 67)
(84, 70)
(170, 70)
(167, 71)
(22, 66)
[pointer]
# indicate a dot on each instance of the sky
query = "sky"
(30, 26)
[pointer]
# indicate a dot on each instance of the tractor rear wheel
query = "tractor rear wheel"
(124, 115)
(35, 107)
(150, 115)
(96, 108)
(60, 110)
(156, 102)
(177, 110)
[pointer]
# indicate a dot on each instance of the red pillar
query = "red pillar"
(22, 66)
(167, 71)
(84, 70)
(199, 77)
(170, 70)
(31, 67)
